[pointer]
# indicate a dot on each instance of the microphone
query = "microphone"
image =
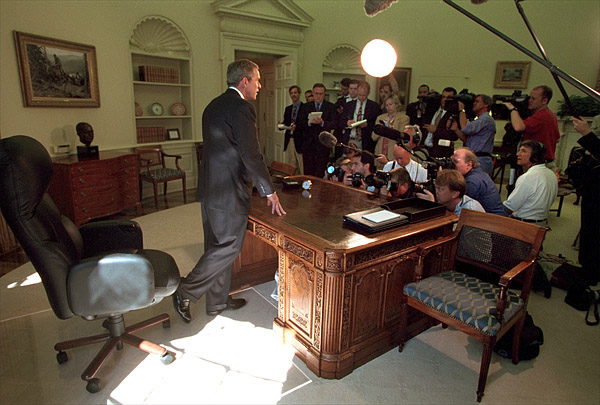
(373, 7)
(393, 134)
(330, 141)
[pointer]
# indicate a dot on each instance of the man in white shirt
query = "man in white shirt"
(417, 173)
(536, 189)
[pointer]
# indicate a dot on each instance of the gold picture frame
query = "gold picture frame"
(512, 75)
(56, 73)
(173, 134)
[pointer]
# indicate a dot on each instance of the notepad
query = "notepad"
(380, 216)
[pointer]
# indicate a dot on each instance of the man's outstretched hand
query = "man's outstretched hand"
(273, 202)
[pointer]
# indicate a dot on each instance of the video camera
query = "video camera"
(433, 165)
(376, 181)
(518, 99)
(337, 171)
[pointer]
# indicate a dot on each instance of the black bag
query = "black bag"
(532, 338)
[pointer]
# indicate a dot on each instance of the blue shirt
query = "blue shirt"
(481, 187)
(480, 134)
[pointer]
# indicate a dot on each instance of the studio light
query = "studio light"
(378, 58)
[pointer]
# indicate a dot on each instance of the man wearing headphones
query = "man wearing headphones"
(536, 189)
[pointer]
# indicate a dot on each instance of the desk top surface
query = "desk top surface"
(317, 216)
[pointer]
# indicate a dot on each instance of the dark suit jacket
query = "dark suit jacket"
(231, 159)
(443, 133)
(372, 111)
(310, 134)
(287, 121)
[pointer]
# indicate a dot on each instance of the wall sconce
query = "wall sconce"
(378, 58)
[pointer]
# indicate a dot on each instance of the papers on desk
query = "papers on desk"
(357, 123)
(380, 216)
(313, 116)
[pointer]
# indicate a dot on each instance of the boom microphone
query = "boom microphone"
(373, 7)
(393, 134)
(330, 141)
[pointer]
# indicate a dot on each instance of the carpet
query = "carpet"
(236, 358)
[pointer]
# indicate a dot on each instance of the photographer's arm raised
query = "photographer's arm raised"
(515, 119)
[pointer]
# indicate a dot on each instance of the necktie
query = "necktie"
(359, 115)
(318, 106)
(294, 115)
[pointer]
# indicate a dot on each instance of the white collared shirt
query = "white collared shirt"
(534, 193)
(239, 92)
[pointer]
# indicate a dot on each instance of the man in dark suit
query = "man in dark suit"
(314, 153)
(416, 110)
(290, 116)
(231, 163)
(360, 109)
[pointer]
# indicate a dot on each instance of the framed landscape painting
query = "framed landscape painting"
(512, 75)
(56, 73)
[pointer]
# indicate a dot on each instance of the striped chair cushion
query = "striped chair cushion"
(464, 298)
(161, 174)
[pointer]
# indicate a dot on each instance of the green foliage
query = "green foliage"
(584, 105)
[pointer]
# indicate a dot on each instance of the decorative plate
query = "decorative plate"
(138, 110)
(157, 109)
(178, 109)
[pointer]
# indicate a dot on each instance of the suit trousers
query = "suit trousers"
(293, 157)
(224, 234)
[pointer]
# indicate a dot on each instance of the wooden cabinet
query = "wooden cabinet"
(88, 189)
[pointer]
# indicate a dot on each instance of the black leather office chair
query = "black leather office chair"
(98, 271)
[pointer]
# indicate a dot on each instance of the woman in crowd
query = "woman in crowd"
(393, 118)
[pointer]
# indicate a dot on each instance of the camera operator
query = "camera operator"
(404, 186)
(362, 166)
(589, 237)
(416, 110)
(450, 188)
(440, 138)
(402, 159)
(479, 185)
(541, 126)
(478, 135)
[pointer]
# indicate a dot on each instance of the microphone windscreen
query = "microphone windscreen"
(327, 139)
(387, 132)
(373, 7)
(478, 1)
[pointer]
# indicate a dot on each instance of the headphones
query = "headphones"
(538, 151)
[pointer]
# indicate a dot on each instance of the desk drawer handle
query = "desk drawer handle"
(126, 160)
(84, 210)
(127, 183)
(82, 180)
(83, 194)
(126, 170)
(80, 169)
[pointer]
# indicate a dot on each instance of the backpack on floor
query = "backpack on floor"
(532, 338)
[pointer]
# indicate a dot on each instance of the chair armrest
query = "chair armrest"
(177, 157)
(424, 249)
(105, 236)
(506, 280)
(147, 164)
(111, 284)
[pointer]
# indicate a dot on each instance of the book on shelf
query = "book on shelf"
(150, 134)
(158, 74)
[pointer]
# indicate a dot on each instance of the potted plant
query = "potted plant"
(585, 106)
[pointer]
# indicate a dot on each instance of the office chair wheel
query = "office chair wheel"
(166, 324)
(61, 357)
(93, 385)
(167, 358)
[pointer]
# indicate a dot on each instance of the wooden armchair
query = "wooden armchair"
(488, 245)
(286, 169)
(153, 169)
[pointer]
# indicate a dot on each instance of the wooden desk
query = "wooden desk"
(87, 189)
(339, 290)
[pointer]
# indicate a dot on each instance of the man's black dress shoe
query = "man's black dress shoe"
(232, 304)
(182, 307)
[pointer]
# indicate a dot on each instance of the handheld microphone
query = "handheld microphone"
(329, 140)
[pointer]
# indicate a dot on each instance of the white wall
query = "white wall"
(442, 46)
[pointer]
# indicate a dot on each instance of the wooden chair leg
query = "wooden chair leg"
(184, 200)
(154, 185)
(165, 188)
(486, 357)
(403, 323)
(516, 343)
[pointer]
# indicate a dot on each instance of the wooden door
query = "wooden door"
(285, 77)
